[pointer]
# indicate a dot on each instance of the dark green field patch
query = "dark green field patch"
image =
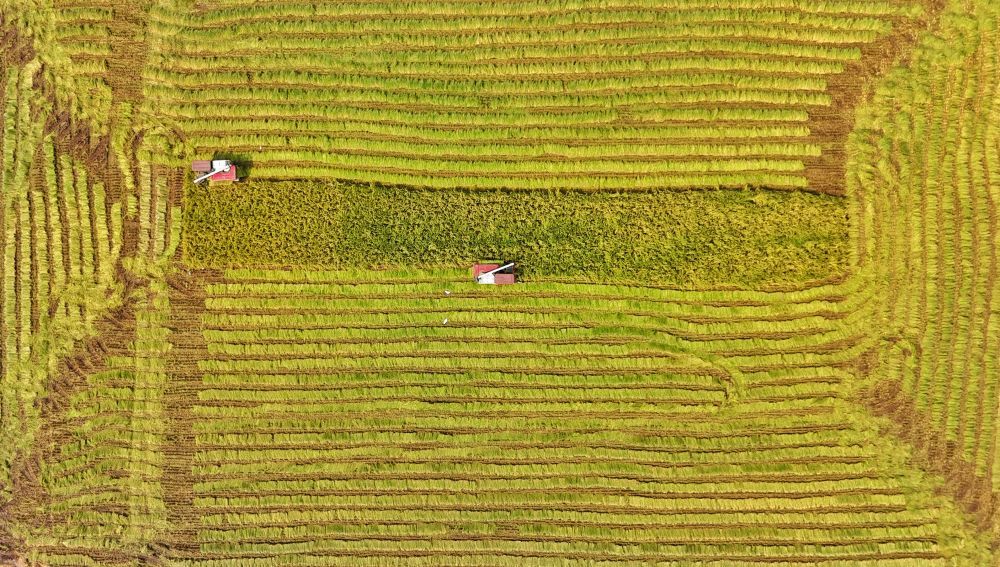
(678, 238)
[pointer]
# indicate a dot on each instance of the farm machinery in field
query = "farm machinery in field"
(494, 274)
(214, 170)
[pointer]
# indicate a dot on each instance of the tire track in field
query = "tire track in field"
(187, 301)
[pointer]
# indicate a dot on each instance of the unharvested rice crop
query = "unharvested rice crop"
(694, 239)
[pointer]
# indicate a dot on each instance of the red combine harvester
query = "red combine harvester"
(214, 170)
(494, 274)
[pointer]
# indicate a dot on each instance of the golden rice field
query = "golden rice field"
(568, 94)
(756, 322)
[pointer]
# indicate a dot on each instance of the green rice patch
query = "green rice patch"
(747, 238)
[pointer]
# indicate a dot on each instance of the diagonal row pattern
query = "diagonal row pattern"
(60, 236)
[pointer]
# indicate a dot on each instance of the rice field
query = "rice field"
(60, 236)
(352, 423)
(757, 238)
(521, 95)
(415, 417)
(83, 32)
(927, 154)
(103, 467)
(755, 321)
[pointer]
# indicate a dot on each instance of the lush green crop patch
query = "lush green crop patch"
(689, 239)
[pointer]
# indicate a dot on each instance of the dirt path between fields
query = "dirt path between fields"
(187, 304)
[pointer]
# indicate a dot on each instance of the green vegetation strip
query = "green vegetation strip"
(685, 239)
